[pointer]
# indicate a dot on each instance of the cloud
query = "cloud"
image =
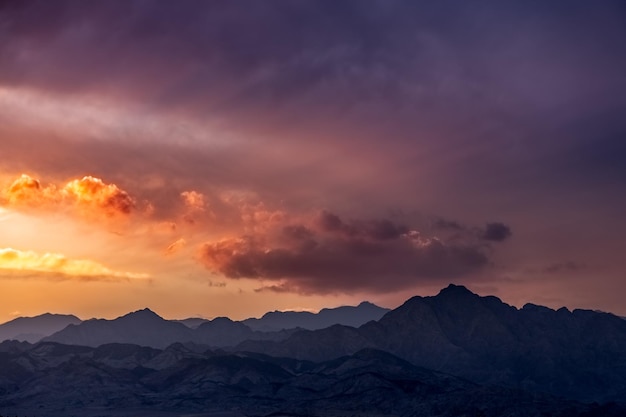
(330, 255)
(496, 232)
(491, 232)
(196, 207)
(193, 200)
(375, 229)
(28, 263)
(27, 191)
(176, 246)
(90, 192)
(444, 224)
(564, 267)
(88, 195)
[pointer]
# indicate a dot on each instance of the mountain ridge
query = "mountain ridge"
(347, 315)
(486, 341)
(578, 354)
(121, 380)
(33, 329)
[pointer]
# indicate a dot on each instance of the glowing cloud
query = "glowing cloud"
(28, 191)
(92, 191)
(86, 193)
(31, 263)
(193, 200)
(176, 246)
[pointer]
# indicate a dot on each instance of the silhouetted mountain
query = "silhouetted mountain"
(579, 354)
(119, 380)
(143, 327)
(346, 315)
(33, 329)
(192, 323)
(222, 331)
(146, 328)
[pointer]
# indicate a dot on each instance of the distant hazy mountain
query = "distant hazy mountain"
(192, 323)
(121, 380)
(143, 327)
(146, 328)
(579, 354)
(346, 315)
(33, 329)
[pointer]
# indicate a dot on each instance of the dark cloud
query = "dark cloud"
(496, 232)
(564, 267)
(444, 224)
(298, 232)
(428, 77)
(472, 110)
(378, 229)
(373, 255)
(492, 232)
(330, 222)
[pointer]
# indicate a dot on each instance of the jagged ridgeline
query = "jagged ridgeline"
(454, 354)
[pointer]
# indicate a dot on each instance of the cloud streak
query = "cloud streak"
(16, 263)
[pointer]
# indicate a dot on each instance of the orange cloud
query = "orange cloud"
(87, 193)
(28, 191)
(29, 263)
(92, 191)
(196, 206)
(193, 200)
(258, 218)
(176, 246)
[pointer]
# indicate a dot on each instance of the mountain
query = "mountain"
(345, 315)
(146, 328)
(33, 329)
(120, 380)
(579, 354)
(142, 327)
(192, 323)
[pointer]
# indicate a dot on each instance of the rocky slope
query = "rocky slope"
(50, 379)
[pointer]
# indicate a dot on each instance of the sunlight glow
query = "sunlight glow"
(29, 261)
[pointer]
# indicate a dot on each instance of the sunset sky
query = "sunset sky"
(210, 158)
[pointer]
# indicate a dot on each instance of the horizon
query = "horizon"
(517, 307)
(221, 159)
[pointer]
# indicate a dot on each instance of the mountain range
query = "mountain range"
(578, 354)
(54, 380)
(473, 350)
(346, 315)
(218, 332)
(33, 329)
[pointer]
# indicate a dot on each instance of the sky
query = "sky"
(229, 158)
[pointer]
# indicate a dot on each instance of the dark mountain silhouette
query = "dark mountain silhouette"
(33, 329)
(120, 380)
(579, 354)
(346, 315)
(193, 322)
(146, 328)
(142, 327)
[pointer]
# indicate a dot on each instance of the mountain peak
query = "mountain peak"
(144, 313)
(455, 290)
